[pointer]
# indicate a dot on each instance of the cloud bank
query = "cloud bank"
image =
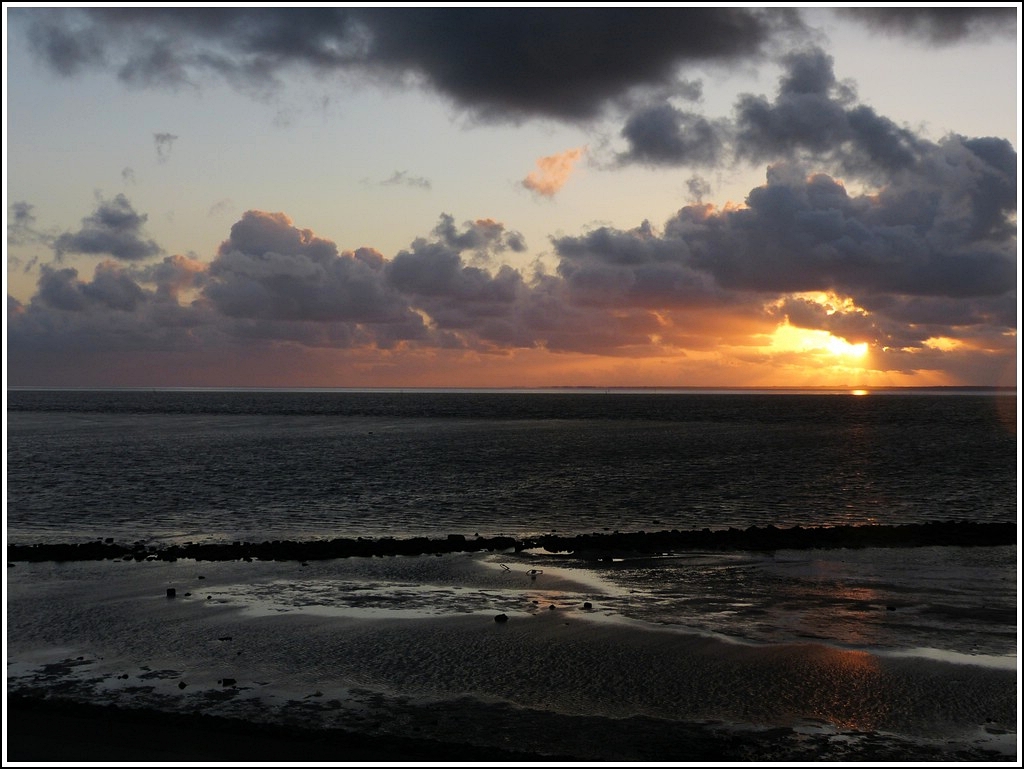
(929, 256)
(862, 228)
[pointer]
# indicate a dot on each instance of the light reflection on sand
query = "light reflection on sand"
(423, 629)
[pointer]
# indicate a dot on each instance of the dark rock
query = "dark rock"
(501, 618)
(182, 684)
(588, 605)
(171, 592)
(227, 682)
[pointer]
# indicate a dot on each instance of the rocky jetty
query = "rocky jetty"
(598, 545)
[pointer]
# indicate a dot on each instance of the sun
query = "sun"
(841, 348)
(817, 344)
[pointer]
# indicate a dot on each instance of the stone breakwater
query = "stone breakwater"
(596, 545)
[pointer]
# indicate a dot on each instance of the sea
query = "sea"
(161, 467)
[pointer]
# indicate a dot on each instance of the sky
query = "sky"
(511, 196)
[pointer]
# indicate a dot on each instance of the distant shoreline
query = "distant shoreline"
(551, 389)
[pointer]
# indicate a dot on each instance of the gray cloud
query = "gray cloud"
(937, 25)
(111, 289)
(929, 235)
(164, 142)
(699, 188)
(937, 246)
(403, 178)
(665, 135)
(815, 115)
(21, 223)
(114, 229)
(930, 254)
(271, 270)
(483, 236)
(499, 62)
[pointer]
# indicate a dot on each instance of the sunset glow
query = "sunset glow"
(666, 214)
(817, 345)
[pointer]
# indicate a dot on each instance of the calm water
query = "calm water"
(915, 644)
(221, 465)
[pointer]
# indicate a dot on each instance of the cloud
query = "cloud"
(21, 224)
(940, 233)
(698, 187)
(220, 207)
(114, 229)
(270, 270)
(937, 25)
(111, 289)
(484, 237)
(553, 172)
(502, 63)
(934, 247)
(923, 266)
(164, 142)
(403, 178)
(814, 115)
(663, 135)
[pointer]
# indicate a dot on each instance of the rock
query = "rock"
(182, 684)
(501, 618)
(227, 682)
(171, 592)
(588, 605)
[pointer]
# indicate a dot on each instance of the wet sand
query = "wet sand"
(97, 653)
(52, 730)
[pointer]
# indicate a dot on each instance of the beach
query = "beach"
(405, 659)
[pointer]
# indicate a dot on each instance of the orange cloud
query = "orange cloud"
(553, 172)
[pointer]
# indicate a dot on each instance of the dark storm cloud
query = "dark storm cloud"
(560, 62)
(815, 115)
(939, 25)
(499, 62)
(115, 229)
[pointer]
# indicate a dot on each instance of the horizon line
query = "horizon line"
(506, 389)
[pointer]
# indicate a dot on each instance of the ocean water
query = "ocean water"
(898, 650)
(224, 466)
